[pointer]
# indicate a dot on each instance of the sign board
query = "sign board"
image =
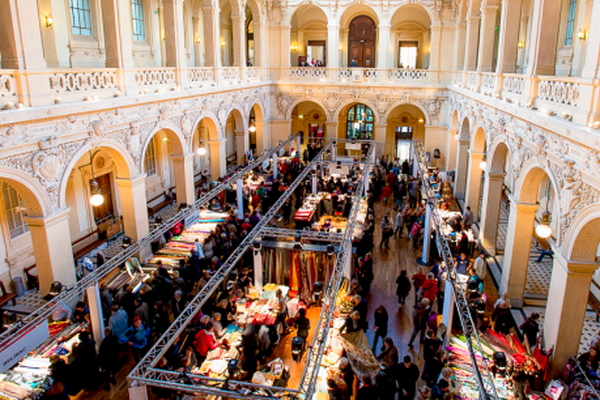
(18, 350)
(353, 146)
(338, 169)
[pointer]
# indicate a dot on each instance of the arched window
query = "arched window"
(570, 22)
(150, 159)
(81, 21)
(137, 17)
(14, 209)
(359, 124)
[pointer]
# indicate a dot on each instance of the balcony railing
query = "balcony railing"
(572, 98)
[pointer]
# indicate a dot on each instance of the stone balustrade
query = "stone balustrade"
(8, 84)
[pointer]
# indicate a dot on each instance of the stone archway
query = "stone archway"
(406, 122)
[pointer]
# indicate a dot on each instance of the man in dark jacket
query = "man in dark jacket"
(407, 376)
(108, 357)
(419, 320)
(531, 328)
(249, 346)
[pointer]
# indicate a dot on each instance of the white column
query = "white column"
(426, 235)
(240, 198)
(218, 158)
(334, 150)
(448, 309)
(53, 251)
(474, 183)
(543, 37)
(134, 206)
(490, 210)
(96, 316)
(591, 67)
(275, 168)
(299, 152)
(138, 392)
(260, 45)
(486, 38)
(184, 178)
(383, 46)
(471, 43)
(285, 51)
(510, 17)
(567, 303)
(333, 52)
(258, 269)
(242, 140)
(435, 44)
(516, 253)
(239, 39)
(462, 161)
(174, 35)
(348, 264)
(212, 42)
(459, 51)
(118, 34)
(314, 181)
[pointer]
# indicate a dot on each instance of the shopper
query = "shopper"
(407, 377)
(432, 370)
(347, 375)
(429, 288)
(281, 311)
(389, 354)
(366, 390)
(440, 391)
(403, 288)
(108, 357)
(352, 323)
(249, 345)
(118, 320)
(503, 320)
(381, 324)
(205, 341)
(589, 363)
(467, 219)
(399, 224)
(453, 382)
(415, 234)
(418, 278)
(136, 337)
(386, 232)
(302, 325)
(85, 365)
(419, 320)
(531, 328)
(462, 264)
(480, 266)
(360, 306)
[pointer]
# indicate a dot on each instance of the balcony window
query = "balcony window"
(150, 159)
(408, 55)
(14, 209)
(570, 22)
(137, 16)
(81, 22)
(360, 122)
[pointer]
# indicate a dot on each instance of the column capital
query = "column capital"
(131, 182)
(495, 176)
(463, 141)
(48, 220)
(489, 9)
(333, 26)
(573, 267)
(183, 158)
(473, 18)
(523, 208)
(476, 154)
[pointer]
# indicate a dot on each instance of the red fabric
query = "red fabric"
(255, 200)
(429, 289)
(391, 179)
(205, 342)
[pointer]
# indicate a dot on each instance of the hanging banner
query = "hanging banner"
(18, 350)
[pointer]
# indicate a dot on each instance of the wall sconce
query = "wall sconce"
(197, 39)
(222, 42)
(521, 45)
(294, 47)
(340, 47)
(301, 116)
(49, 21)
(421, 120)
(164, 37)
(581, 34)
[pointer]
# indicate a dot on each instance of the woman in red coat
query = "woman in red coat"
(429, 288)
(205, 342)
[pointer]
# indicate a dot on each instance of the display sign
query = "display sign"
(353, 146)
(18, 350)
(338, 169)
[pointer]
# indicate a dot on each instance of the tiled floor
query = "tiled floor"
(538, 276)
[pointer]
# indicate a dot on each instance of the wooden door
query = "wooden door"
(362, 37)
(106, 208)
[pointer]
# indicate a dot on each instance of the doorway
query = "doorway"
(408, 54)
(106, 208)
(362, 37)
(316, 51)
(403, 142)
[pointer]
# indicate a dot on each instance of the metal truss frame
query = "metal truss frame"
(305, 234)
(19, 329)
(485, 380)
(145, 372)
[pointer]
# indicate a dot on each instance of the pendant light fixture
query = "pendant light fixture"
(483, 164)
(96, 199)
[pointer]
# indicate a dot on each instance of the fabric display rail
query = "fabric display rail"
(145, 374)
(16, 332)
(485, 380)
(577, 383)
